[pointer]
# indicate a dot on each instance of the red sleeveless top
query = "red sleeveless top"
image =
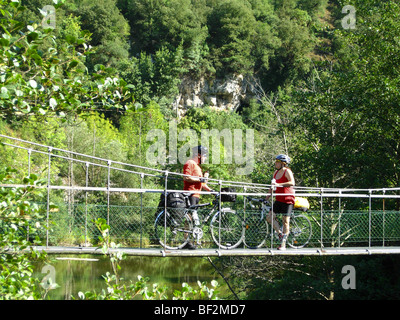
(289, 199)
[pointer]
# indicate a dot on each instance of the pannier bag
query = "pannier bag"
(176, 200)
(301, 204)
(176, 203)
(228, 197)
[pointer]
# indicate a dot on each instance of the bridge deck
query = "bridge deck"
(159, 252)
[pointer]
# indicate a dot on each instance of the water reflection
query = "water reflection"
(86, 274)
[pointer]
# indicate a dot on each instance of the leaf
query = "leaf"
(73, 64)
(33, 83)
(53, 103)
(4, 42)
(81, 295)
(32, 36)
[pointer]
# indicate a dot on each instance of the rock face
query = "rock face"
(220, 94)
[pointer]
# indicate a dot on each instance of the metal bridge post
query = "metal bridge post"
(339, 217)
(165, 209)
(108, 192)
(86, 200)
(141, 209)
(220, 214)
(322, 220)
(272, 217)
(369, 218)
(48, 197)
(383, 219)
(29, 173)
(244, 215)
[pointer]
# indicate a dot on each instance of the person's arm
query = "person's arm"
(191, 179)
(270, 189)
(204, 184)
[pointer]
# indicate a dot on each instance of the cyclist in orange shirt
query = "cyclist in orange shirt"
(193, 179)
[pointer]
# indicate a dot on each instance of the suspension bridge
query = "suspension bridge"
(85, 188)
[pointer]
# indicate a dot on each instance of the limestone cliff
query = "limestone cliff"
(220, 94)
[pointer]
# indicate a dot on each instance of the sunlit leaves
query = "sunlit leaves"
(40, 73)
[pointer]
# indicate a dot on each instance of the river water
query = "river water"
(84, 273)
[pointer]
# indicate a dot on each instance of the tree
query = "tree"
(109, 31)
(154, 77)
(237, 40)
(19, 212)
(35, 81)
(343, 112)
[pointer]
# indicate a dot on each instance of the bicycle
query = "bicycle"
(179, 226)
(258, 230)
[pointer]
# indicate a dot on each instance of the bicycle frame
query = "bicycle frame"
(225, 226)
(300, 227)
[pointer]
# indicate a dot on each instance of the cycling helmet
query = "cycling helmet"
(200, 150)
(283, 157)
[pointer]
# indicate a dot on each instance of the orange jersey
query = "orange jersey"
(191, 168)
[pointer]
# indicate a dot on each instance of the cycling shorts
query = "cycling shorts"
(283, 208)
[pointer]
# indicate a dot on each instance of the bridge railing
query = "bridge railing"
(339, 217)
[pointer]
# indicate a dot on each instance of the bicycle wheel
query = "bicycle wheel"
(174, 233)
(299, 231)
(255, 230)
(227, 229)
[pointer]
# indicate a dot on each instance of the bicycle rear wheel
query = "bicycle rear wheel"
(227, 229)
(299, 231)
(256, 230)
(173, 233)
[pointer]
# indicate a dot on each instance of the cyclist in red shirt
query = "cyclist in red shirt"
(284, 182)
(193, 179)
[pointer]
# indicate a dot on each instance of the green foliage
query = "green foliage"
(36, 79)
(20, 219)
(154, 76)
(347, 105)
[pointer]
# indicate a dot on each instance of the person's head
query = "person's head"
(281, 160)
(200, 153)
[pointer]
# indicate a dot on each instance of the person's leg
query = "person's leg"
(287, 212)
(285, 225)
(193, 202)
(270, 219)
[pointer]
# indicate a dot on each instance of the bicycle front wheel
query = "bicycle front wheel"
(172, 232)
(227, 229)
(299, 231)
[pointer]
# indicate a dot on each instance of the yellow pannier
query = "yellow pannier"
(301, 204)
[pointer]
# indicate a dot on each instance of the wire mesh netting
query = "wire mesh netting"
(134, 226)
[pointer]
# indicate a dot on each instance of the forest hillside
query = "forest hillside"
(319, 82)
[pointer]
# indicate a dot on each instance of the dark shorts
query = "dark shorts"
(283, 208)
(194, 200)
